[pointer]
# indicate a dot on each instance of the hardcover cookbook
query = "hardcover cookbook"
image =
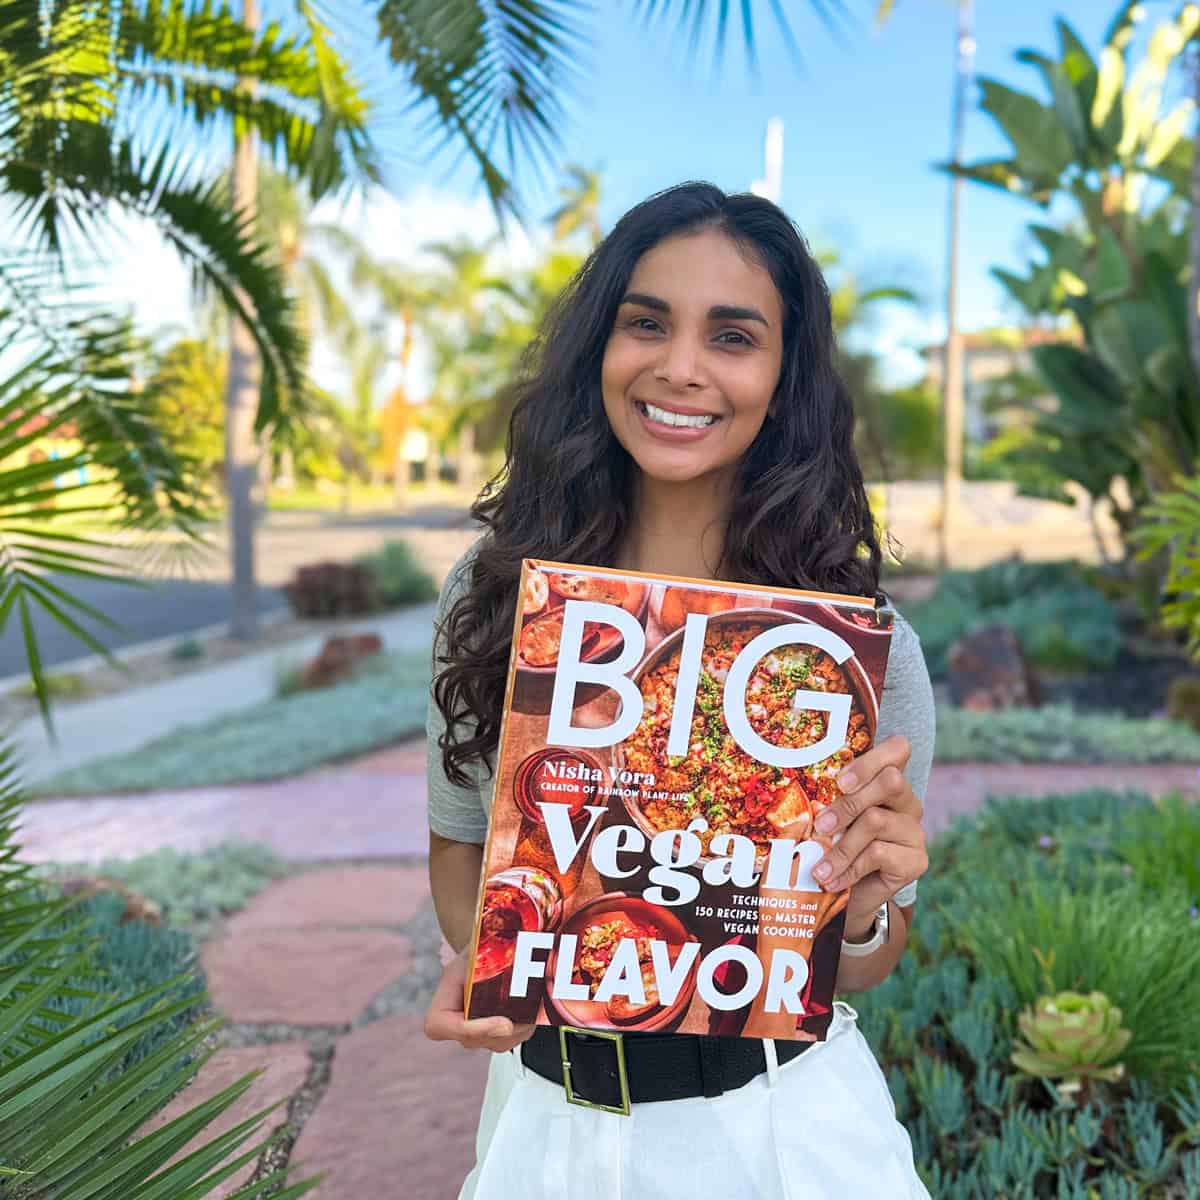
(666, 745)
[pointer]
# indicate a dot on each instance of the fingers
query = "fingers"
(878, 827)
(446, 1021)
(895, 864)
(872, 781)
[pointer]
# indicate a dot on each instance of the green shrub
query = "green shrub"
(277, 738)
(1117, 937)
(1056, 733)
(132, 959)
(1060, 620)
(399, 578)
(192, 890)
(1161, 844)
(1183, 700)
(187, 649)
(1028, 896)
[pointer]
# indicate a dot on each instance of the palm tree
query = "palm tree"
(336, 145)
(74, 80)
(580, 207)
(463, 294)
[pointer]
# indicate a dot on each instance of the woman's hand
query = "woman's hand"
(447, 1022)
(882, 846)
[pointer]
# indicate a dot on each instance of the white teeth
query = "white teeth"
(669, 418)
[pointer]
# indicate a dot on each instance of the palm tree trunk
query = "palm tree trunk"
(241, 407)
(1194, 282)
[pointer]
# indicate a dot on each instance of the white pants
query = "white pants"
(821, 1127)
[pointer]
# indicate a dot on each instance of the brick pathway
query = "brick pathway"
(325, 975)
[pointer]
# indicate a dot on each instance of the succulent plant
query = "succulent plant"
(1071, 1037)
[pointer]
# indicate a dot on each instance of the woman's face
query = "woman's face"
(693, 358)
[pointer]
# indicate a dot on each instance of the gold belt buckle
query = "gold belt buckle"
(619, 1042)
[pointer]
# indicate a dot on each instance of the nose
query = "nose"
(678, 365)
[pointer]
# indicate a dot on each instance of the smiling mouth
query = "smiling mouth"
(664, 416)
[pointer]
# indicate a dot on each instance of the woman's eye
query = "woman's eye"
(646, 324)
(739, 338)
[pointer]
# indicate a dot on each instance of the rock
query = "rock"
(339, 659)
(398, 1119)
(137, 908)
(988, 670)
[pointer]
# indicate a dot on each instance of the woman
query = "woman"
(682, 415)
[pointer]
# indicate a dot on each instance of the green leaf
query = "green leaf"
(1110, 276)
(1125, 335)
(1038, 136)
(1107, 115)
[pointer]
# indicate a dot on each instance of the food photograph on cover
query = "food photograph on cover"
(666, 747)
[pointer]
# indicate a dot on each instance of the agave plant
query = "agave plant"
(1071, 1037)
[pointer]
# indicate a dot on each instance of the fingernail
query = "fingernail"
(822, 870)
(847, 781)
(826, 822)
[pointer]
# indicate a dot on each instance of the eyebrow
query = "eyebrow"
(718, 312)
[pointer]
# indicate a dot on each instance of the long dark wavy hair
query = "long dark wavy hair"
(800, 516)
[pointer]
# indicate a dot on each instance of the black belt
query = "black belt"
(611, 1070)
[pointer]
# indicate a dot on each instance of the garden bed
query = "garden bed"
(1090, 892)
(279, 737)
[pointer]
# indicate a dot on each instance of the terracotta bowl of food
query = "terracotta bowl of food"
(846, 619)
(599, 925)
(738, 794)
(543, 602)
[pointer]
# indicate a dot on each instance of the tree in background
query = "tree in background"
(1127, 416)
(323, 140)
(185, 402)
(76, 84)
(74, 81)
(855, 302)
(579, 211)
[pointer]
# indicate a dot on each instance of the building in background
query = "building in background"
(993, 360)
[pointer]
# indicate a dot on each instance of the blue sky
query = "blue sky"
(865, 120)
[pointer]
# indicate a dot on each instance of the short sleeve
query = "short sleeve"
(455, 811)
(906, 706)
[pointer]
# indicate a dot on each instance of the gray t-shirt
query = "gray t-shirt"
(460, 813)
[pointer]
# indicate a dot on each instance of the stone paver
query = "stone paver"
(284, 1067)
(302, 976)
(338, 896)
(322, 816)
(398, 1119)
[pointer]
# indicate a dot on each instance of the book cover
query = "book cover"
(666, 745)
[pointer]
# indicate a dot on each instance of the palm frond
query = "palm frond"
(696, 17)
(491, 76)
(304, 101)
(72, 375)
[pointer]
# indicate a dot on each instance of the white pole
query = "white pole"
(770, 186)
(952, 381)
